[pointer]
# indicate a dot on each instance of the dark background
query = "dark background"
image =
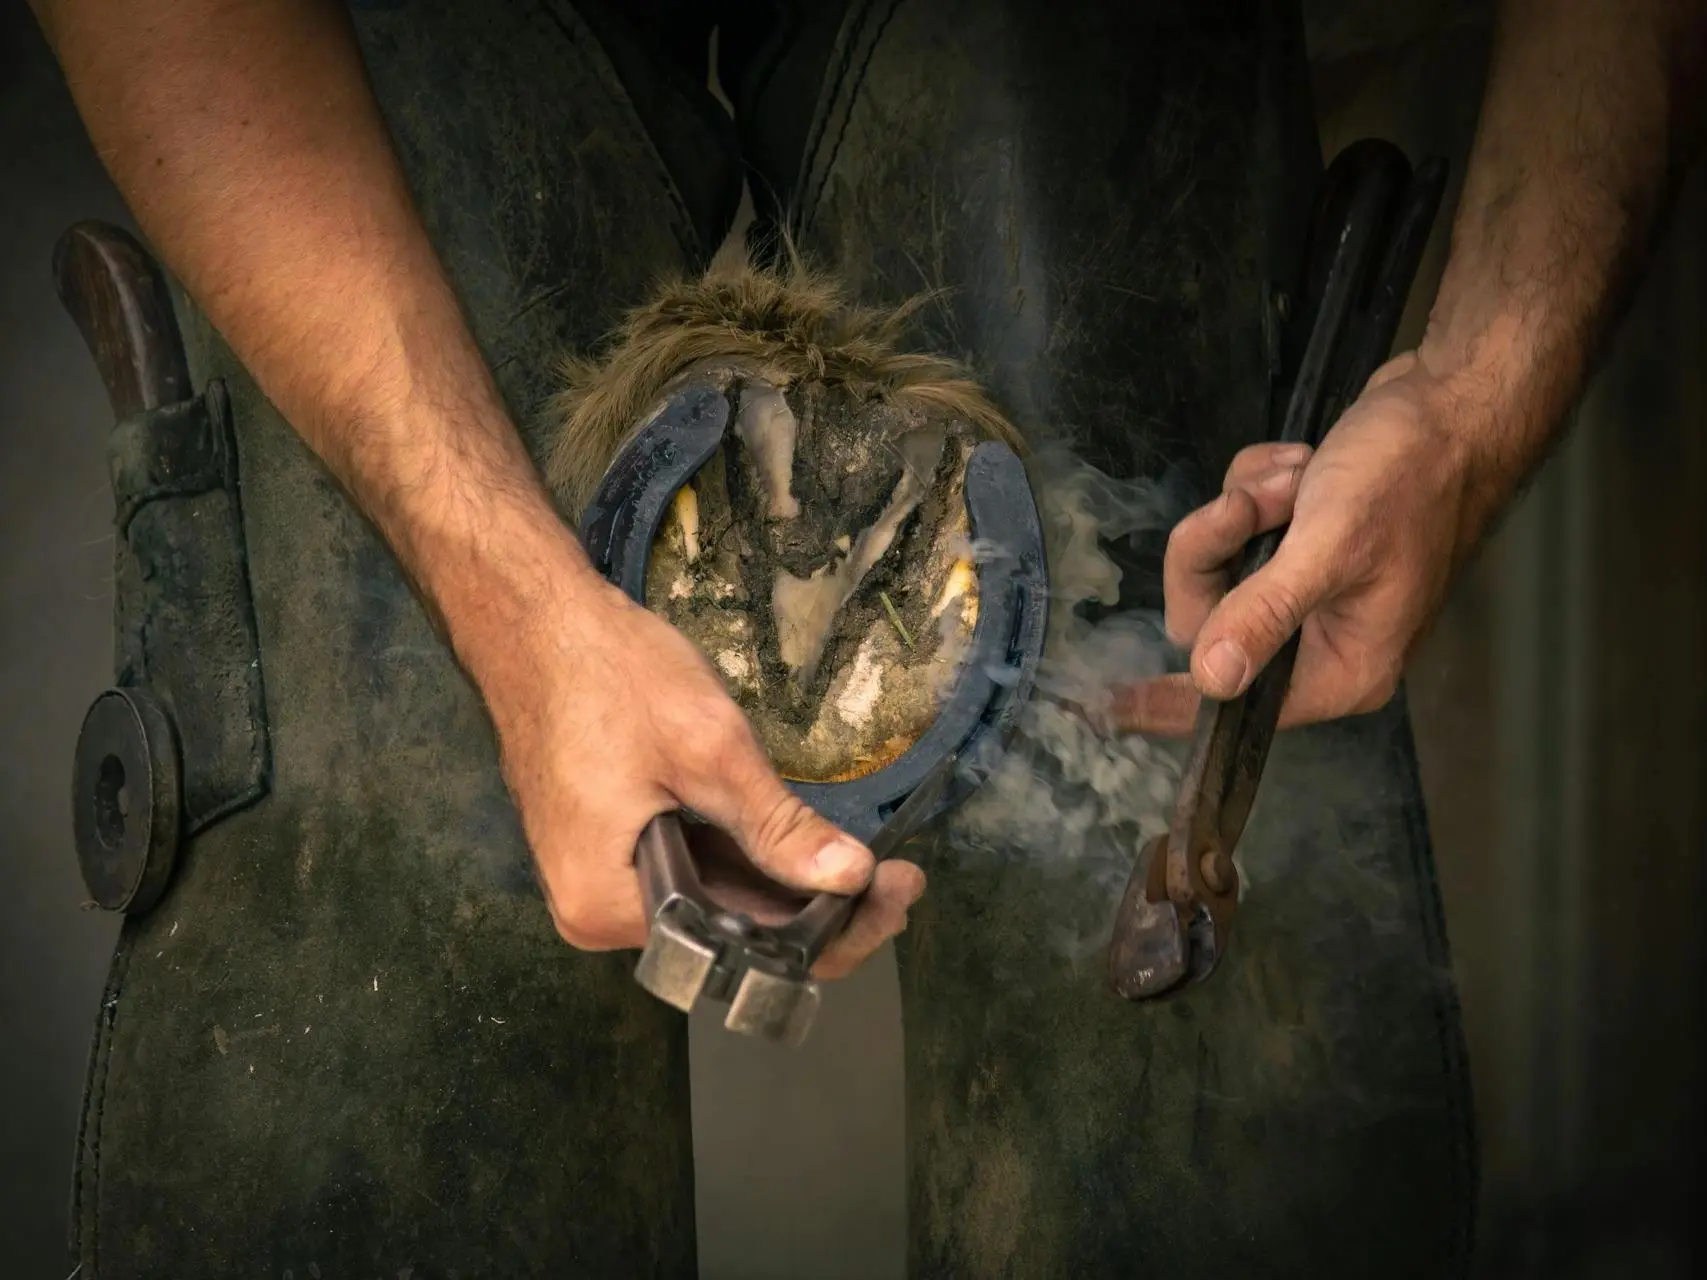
(1559, 708)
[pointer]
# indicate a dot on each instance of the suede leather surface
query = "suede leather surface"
(348, 1042)
(184, 622)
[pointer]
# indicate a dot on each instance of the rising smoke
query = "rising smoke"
(1326, 1003)
(1077, 802)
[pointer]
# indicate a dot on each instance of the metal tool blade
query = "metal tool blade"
(905, 822)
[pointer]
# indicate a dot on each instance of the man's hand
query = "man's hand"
(1379, 518)
(1592, 111)
(252, 125)
(607, 716)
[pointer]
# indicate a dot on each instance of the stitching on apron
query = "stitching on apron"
(569, 26)
(97, 1110)
(1446, 1007)
(848, 38)
(836, 102)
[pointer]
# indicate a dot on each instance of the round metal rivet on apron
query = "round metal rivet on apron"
(126, 800)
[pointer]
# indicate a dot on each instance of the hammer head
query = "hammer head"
(692, 953)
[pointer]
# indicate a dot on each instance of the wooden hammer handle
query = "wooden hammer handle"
(117, 296)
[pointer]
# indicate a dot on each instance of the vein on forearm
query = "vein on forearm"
(246, 140)
(1576, 154)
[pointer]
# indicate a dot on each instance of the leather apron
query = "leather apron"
(348, 1041)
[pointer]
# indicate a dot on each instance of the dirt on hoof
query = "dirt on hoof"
(822, 561)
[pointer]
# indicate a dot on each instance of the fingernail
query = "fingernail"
(1290, 455)
(1280, 481)
(1225, 664)
(840, 860)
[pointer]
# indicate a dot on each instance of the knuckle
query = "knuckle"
(1189, 604)
(1278, 609)
(1197, 535)
(781, 819)
(584, 920)
(1250, 457)
(1179, 537)
(1365, 683)
(715, 731)
(1380, 689)
(1359, 547)
(576, 925)
(1397, 367)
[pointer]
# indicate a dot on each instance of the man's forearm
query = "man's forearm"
(1584, 127)
(246, 141)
